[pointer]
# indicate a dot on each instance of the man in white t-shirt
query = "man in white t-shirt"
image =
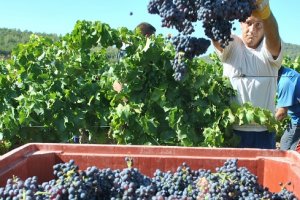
(252, 62)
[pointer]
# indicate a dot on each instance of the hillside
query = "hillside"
(9, 38)
(291, 50)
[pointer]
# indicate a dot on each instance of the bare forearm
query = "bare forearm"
(217, 45)
(272, 36)
(281, 113)
(280, 116)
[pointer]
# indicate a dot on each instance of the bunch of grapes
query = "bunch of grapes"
(179, 14)
(186, 47)
(217, 17)
(190, 46)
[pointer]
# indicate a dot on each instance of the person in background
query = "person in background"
(145, 29)
(288, 104)
(251, 62)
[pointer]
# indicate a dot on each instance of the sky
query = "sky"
(60, 16)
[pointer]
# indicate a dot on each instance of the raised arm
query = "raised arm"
(272, 37)
(273, 41)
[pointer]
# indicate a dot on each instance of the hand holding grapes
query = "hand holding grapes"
(263, 9)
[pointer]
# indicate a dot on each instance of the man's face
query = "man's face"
(252, 31)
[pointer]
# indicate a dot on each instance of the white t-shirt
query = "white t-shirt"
(253, 73)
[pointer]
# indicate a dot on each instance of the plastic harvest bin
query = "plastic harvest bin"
(37, 159)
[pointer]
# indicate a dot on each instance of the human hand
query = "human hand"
(281, 113)
(263, 9)
(117, 86)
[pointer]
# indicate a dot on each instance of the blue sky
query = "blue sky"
(59, 16)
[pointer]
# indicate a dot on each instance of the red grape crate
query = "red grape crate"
(37, 159)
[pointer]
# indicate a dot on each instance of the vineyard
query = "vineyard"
(55, 90)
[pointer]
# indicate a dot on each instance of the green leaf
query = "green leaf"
(262, 118)
(60, 125)
(157, 94)
(149, 125)
(228, 113)
(172, 117)
(123, 111)
(168, 136)
(90, 100)
(39, 111)
(250, 116)
(181, 135)
(22, 116)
